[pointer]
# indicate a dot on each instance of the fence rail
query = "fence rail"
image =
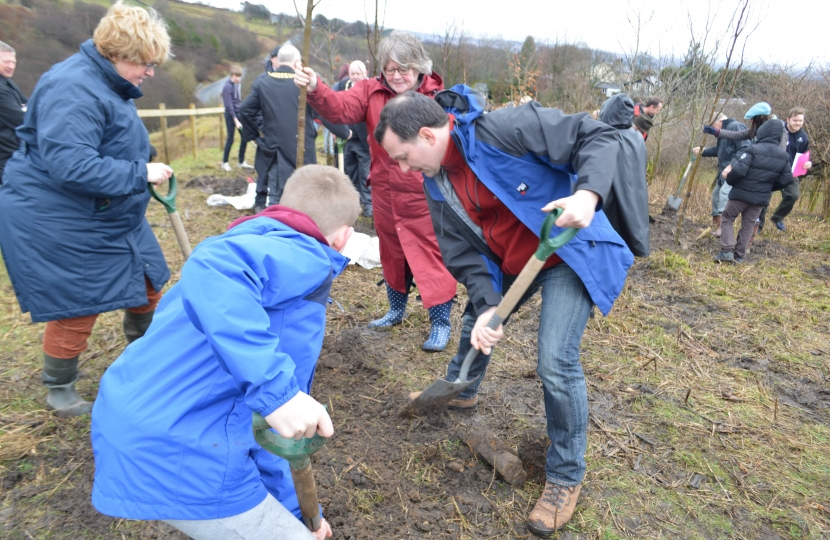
(163, 113)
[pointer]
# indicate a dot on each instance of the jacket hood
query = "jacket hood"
(617, 111)
(771, 131)
(295, 219)
(119, 84)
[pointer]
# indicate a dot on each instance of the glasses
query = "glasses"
(149, 67)
(391, 72)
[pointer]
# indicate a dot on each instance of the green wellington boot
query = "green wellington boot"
(136, 324)
(59, 376)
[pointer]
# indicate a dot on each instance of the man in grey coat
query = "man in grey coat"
(627, 204)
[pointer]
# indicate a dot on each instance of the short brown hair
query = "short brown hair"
(323, 193)
(796, 110)
(653, 101)
(132, 34)
(235, 70)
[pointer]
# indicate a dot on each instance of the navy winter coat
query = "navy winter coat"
(73, 233)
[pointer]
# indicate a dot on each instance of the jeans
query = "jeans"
(231, 126)
(566, 306)
(720, 196)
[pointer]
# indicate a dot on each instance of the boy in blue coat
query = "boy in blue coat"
(239, 333)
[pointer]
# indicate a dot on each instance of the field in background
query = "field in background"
(708, 387)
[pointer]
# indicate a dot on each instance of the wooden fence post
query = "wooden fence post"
(163, 122)
(193, 129)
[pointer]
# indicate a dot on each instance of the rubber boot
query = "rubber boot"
(397, 309)
(59, 377)
(136, 324)
(439, 330)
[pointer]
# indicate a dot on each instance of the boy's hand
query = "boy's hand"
(301, 416)
(579, 209)
(323, 532)
(726, 171)
(482, 337)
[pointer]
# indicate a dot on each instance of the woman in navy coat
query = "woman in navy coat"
(73, 233)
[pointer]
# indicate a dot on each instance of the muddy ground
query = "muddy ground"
(699, 409)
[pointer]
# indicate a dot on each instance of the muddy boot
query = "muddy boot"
(59, 377)
(397, 309)
(136, 324)
(553, 509)
(716, 225)
(439, 331)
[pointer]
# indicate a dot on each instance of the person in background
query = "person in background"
(231, 98)
(650, 108)
(356, 157)
(642, 125)
(724, 150)
(408, 246)
(73, 233)
(797, 143)
(626, 205)
(753, 174)
(12, 106)
(276, 99)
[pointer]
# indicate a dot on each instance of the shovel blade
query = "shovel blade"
(434, 399)
(674, 202)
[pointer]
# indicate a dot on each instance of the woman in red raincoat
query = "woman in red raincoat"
(408, 246)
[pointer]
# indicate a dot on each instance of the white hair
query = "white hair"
(288, 55)
(357, 64)
(8, 48)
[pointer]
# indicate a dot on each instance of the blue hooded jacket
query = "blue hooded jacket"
(527, 156)
(241, 332)
(72, 228)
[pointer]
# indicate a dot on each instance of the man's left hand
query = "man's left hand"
(808, 165)
(579, 209)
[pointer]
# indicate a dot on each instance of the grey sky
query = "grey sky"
(787, 32)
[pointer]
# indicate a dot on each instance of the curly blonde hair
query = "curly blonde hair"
(132, 34)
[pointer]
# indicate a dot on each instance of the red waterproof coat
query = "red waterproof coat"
(402, 218)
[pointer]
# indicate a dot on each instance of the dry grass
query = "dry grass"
(710, 409)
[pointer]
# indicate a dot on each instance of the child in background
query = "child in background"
(754, 174)
(231, 98)
(239, 333)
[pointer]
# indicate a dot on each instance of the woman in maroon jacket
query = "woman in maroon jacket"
(408, 246)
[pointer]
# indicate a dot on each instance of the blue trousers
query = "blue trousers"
(566, 307)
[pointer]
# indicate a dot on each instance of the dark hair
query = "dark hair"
(757, 121)
(653, 102)
(406, 114)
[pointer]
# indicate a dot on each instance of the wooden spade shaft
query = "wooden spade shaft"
(306, 489)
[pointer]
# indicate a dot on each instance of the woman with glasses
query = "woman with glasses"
(408, 247)
(73, 233)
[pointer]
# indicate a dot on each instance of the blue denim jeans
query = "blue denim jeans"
(566, 306)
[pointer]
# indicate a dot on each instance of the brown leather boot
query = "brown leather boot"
(716, 224)
(454, 404)
(553, 509)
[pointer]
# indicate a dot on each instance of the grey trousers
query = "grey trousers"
(720, 196)
(749, 213)
(269, 520)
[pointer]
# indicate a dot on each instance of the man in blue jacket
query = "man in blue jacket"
(489, 182)
(240, 332)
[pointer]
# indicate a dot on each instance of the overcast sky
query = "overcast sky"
(786, 31)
